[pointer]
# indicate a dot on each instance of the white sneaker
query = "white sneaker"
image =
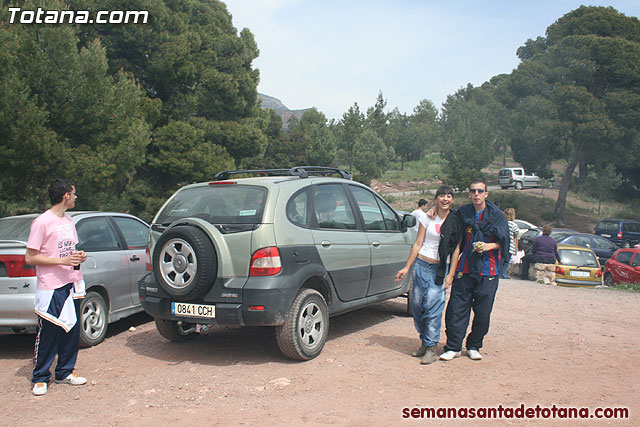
(474, 355)
(72, 379)
(39, 389)
(448, 355)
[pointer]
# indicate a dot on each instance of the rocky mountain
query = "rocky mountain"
(282, 110)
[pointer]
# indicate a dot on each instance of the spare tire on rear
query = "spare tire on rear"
(185, 262)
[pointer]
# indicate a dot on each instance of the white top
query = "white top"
(431, 242)
(418, 213)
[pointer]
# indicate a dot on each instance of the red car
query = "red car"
(623, 266)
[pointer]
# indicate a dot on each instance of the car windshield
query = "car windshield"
(578, 258)
(16, 228)
(217, 204)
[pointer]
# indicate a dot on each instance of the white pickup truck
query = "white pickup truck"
(517, 178)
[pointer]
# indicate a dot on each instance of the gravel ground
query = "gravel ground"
(568, 347)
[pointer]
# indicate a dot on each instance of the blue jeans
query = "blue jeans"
(428, 302)
(504, 266)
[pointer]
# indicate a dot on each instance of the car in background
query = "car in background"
(524, 226)
(115, 246)
(602, 247)
(517, 178)
(623, 232)
(526, 241)
(623, 267)
(288, 248)
(578, 267)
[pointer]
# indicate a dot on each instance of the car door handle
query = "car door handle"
(326, 244)
(375, 243)
(134, 258)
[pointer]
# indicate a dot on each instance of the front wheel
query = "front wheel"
(305, 330)
(518, 185)
(93, 319)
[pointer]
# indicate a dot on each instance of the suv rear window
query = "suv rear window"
(607, 227)
(15, 228)
(217, 204)
(504, 172)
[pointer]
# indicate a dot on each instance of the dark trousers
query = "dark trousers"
(468, 293)
(530, 259)
(51, 340)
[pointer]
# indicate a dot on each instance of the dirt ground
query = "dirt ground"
(568, 347)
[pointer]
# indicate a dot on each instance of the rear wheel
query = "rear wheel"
(518, 185)
(185, 263)
(504, 187)
(305, 330)
(93, 319)
(173, 331)
(608, 279)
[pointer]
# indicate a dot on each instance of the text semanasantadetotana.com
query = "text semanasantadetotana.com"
(42, 16)
(522, 411)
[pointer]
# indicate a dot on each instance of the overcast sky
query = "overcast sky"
(331, 53)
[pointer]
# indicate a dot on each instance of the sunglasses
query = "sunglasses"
(477, 190)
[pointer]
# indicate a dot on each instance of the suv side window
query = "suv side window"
(369, 209)
(631, 227)
(134, 232)
(624, 257)
(582, 241)
(297, 208)
(636, 261)
(517, 171)
(332, 208)
(390, 218)
(95, 234)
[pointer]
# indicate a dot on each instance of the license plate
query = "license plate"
(193, 310)
(575, 273)
(605, 235)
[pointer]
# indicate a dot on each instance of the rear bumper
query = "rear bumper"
(17, 313)
(572, 282)
(242, 311)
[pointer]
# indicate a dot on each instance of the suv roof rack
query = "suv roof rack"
(300, 171)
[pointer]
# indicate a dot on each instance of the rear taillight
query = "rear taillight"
(599, 273)
(559, 270)
(148, 264)
(619, 235)
(16, 267)
(265, 262)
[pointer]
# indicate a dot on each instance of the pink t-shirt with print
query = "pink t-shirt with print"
(54, 237)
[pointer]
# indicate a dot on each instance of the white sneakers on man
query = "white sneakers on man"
(474, 355)
(449, 355)
(39, 389)
(73, 379)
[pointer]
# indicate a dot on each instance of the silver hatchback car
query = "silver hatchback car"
(288, 250)
(115, 247)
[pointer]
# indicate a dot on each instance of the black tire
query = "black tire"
(518, 185)
(94, 316)
(410, 300)
(185, 263)
(504, 187)
(608, 280)
(171, 331)
(305, 330)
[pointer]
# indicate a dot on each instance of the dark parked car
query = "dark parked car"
(601, 246)
(623, 232)
(623, 266)
(115, 247)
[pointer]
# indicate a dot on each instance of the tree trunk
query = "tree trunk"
(561, 203)
(582, 172)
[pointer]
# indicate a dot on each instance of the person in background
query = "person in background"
(51, 248)
(510, 214)
(544, 250)
(419, 212)
(430, 253)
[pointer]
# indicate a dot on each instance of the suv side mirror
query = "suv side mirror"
(408, 221)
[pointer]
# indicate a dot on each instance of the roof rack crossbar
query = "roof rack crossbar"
(300, 171)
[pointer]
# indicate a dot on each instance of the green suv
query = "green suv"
(289, 249)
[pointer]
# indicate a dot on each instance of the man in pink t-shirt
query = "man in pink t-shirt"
(51, 248)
